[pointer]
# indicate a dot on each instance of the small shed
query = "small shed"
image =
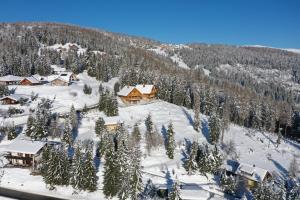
(112, 123)
(24, 153)
(11, 99)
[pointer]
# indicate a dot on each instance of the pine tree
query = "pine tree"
(30, 125)
(228, 184)
(45, 162)
(170, 143)
(215, 127)
(77, 169)
(111, 172)
(90, 177)
(190, 163)
(136, 183)
(196, 111)
(58, 168)
(216, 160)
(99, 127)
(175, 193)
(73, 117)
(12, 133)
(136, 134)
(67, 134)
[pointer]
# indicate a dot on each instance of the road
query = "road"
(16, 194)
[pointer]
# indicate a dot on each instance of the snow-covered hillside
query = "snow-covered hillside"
(252, 148)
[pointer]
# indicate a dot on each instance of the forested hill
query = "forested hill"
(255, 87)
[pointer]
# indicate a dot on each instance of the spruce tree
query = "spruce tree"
(170, 143)
(77, 168)
(99, 127)
(136, 134)
(196, 111)
(12, 133)
(111, 172)
(90, 177)
(175, 193)
(67, 134)
(136, 183)
(30, 125)
(190, 163)
(73, 117)
(214, 127)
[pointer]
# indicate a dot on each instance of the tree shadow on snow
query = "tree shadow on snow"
(164, 134)
(282, 170)
(169, 179)
(188, 116)
(205, 129)
(97, 162)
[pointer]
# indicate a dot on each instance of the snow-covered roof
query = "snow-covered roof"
(32, 79)
(112, 120)
(56, 68)
(25, 146)
(144, 89)
(252, 172)
(64, 76)
(125, 90)
(8, 78)
(38, 77)
(15, 97)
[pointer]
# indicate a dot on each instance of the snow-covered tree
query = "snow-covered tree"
(190, 163)
(175, 193)
(78, 171)
(196, 111)
(228, 184)
(30, 125)
(136, 134)
(12, 133)
(67, 136)
(136, 183)
(99, 127)
(90, 176)
(73, 117)
(266, 191)
(214, 127)
(111, 175)
(170, 143)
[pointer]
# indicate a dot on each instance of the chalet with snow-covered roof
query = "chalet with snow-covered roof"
(25, 153)
(11, 99)
(63, 79)
(135, 94)
(10, 80)
(30, 81)
(251, 174)
(112, 123)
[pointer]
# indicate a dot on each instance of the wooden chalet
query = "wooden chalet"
(11, 99)
(135, 94)
(250, 174)
(63, 79)
(130, 94)
(111, 123)
(10, 80)
(30, 81)
(24, 153)
(148, 91)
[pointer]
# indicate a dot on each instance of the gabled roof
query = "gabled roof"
(112, 120)
(32, 79)
(145, 89)
(252, 172)
(64, 76)
(15, 97)
(25, 146)
(10, 78)
(231, 165)
(125, 90)
(38, 77)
